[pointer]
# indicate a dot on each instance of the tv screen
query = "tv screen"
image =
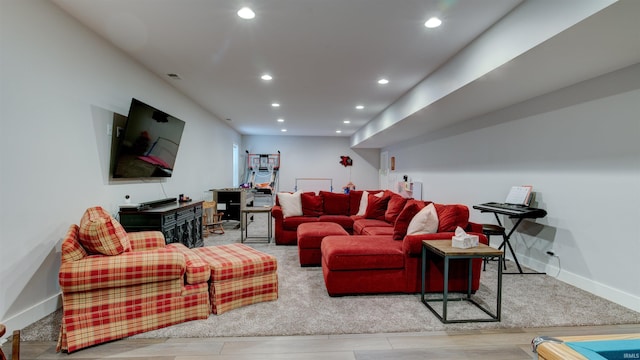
(148, 144)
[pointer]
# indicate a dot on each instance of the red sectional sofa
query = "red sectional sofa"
(323, 207)
(378, 256)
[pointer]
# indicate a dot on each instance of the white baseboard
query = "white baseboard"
(32, 314)
(604, 291)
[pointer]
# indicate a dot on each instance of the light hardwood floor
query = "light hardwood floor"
(506, 344)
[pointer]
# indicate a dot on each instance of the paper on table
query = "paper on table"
(518, 195)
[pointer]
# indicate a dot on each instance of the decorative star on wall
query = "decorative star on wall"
(346, 161)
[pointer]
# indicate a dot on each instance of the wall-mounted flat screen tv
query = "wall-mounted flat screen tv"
(148, 144)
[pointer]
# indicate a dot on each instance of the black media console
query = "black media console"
(179, 222)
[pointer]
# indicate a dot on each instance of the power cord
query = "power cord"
(553, 254)
(163, 192)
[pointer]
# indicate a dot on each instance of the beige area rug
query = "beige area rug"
(304, 308)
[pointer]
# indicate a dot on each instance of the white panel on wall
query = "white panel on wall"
(317, 157)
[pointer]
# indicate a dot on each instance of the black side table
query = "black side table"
(443, 249)
(244, 232)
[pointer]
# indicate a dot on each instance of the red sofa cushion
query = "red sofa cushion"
(292, 222)
(378, 230)
(334, 203)
(376, 207)
(452, 216)
(395, 206)
(362, 253)
(345, 221)
(411, 208)
(311, 204)
(360, 224)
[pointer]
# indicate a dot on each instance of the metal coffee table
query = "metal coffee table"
(443, 249)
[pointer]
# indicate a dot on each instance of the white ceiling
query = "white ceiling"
(540, 47)
(325, 56)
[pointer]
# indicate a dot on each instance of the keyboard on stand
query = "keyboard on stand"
(513, 210)
(519, 212)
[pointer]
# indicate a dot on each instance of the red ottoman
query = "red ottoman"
(240, 275)
(363, 265)
(310, 237)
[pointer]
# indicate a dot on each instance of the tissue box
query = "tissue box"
(465, 241)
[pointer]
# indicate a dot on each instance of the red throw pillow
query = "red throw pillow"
(311, 204)
(376, 207)
(410, 210)
(452, 216)
(335, 203)
(354, 201)
(396, 204)
(389, 193)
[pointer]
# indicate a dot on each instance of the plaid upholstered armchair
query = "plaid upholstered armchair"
(116, 284)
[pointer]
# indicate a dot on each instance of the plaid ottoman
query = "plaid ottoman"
(240, 275)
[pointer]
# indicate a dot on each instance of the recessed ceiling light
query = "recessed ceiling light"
(266, 77)
(275, 105)
(246, 13)
(283, 130)
(359, 107)
(347, 122)
(280, 120)
(383, 81)
(338, 131)
(433, 22)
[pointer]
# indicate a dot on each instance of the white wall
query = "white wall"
(60, 85)
(579, 149)
(316, 157)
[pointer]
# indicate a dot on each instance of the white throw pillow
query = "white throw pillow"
(363, 203)
(290, 203)
(424, 222)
